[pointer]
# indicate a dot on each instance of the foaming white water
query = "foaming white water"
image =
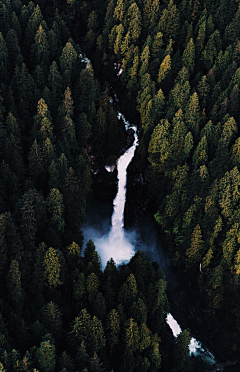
(173, 324)
(110, 168)
(117, 231)
(195, 347)
(117, 244)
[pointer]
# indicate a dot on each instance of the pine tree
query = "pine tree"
(138, 311)
(32, 27)
(181, 351)
(12, 45)
(3, 243)
(169, 21)
(92, 284)
(145, 339)
(73, 199)
(4, 60)
(14, 155)
(87, 93)
(95, 365)
(96, 336)
(135, 20)
(80, 327)
(118, 41)
(56, 208)
(14, 283)
(83, 130)
(16, 25)
(46, 356)
(194, 252)
(100, 307)
(154, 354)
(51, 317)
(179, 95)
(35, 158)
(234, 106)
(40, 49)
(159, 146)
(68, 57)
(145, 60)
(67, 124)
(79, 289)
(55, 84)
(66, 362)
(52, 268)
(33, 216)
(200, 155)
(38, 270)
(193, 115)
(82, 356)
(178, 137)
(164, 69)
(132, 337)
(188, 58)
(128, 291)
(53, 175)
(113, 328)
(157, 46)
(119, 10)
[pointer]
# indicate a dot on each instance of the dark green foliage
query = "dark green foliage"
(46, 356)
(180, 78)
(180, 74)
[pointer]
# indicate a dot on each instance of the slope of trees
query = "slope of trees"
(180, 66)
(179, 72)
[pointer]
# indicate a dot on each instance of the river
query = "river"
(112, 240)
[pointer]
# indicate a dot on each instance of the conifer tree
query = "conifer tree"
(51, 315)
(169, 21)
(32, 27)
(135, 19)
(159, 146)
(14, 282)
(56, 208)
(164, 69)
(40, 49)
(52, 268)
(193, 115)
(12, 45)
(46, 356)
(181, 351)
(188, 58)
(35, 158)
(132, 336)
(113, 328)
(3, 59)
(194, 252)
(68, 58)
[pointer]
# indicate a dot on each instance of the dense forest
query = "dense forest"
(175, 68)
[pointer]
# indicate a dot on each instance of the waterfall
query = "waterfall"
(117, 231)
(117, 243)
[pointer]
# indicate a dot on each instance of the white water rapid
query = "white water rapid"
(117, 231)
(195, 347)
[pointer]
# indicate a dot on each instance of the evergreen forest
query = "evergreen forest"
(66, 68)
